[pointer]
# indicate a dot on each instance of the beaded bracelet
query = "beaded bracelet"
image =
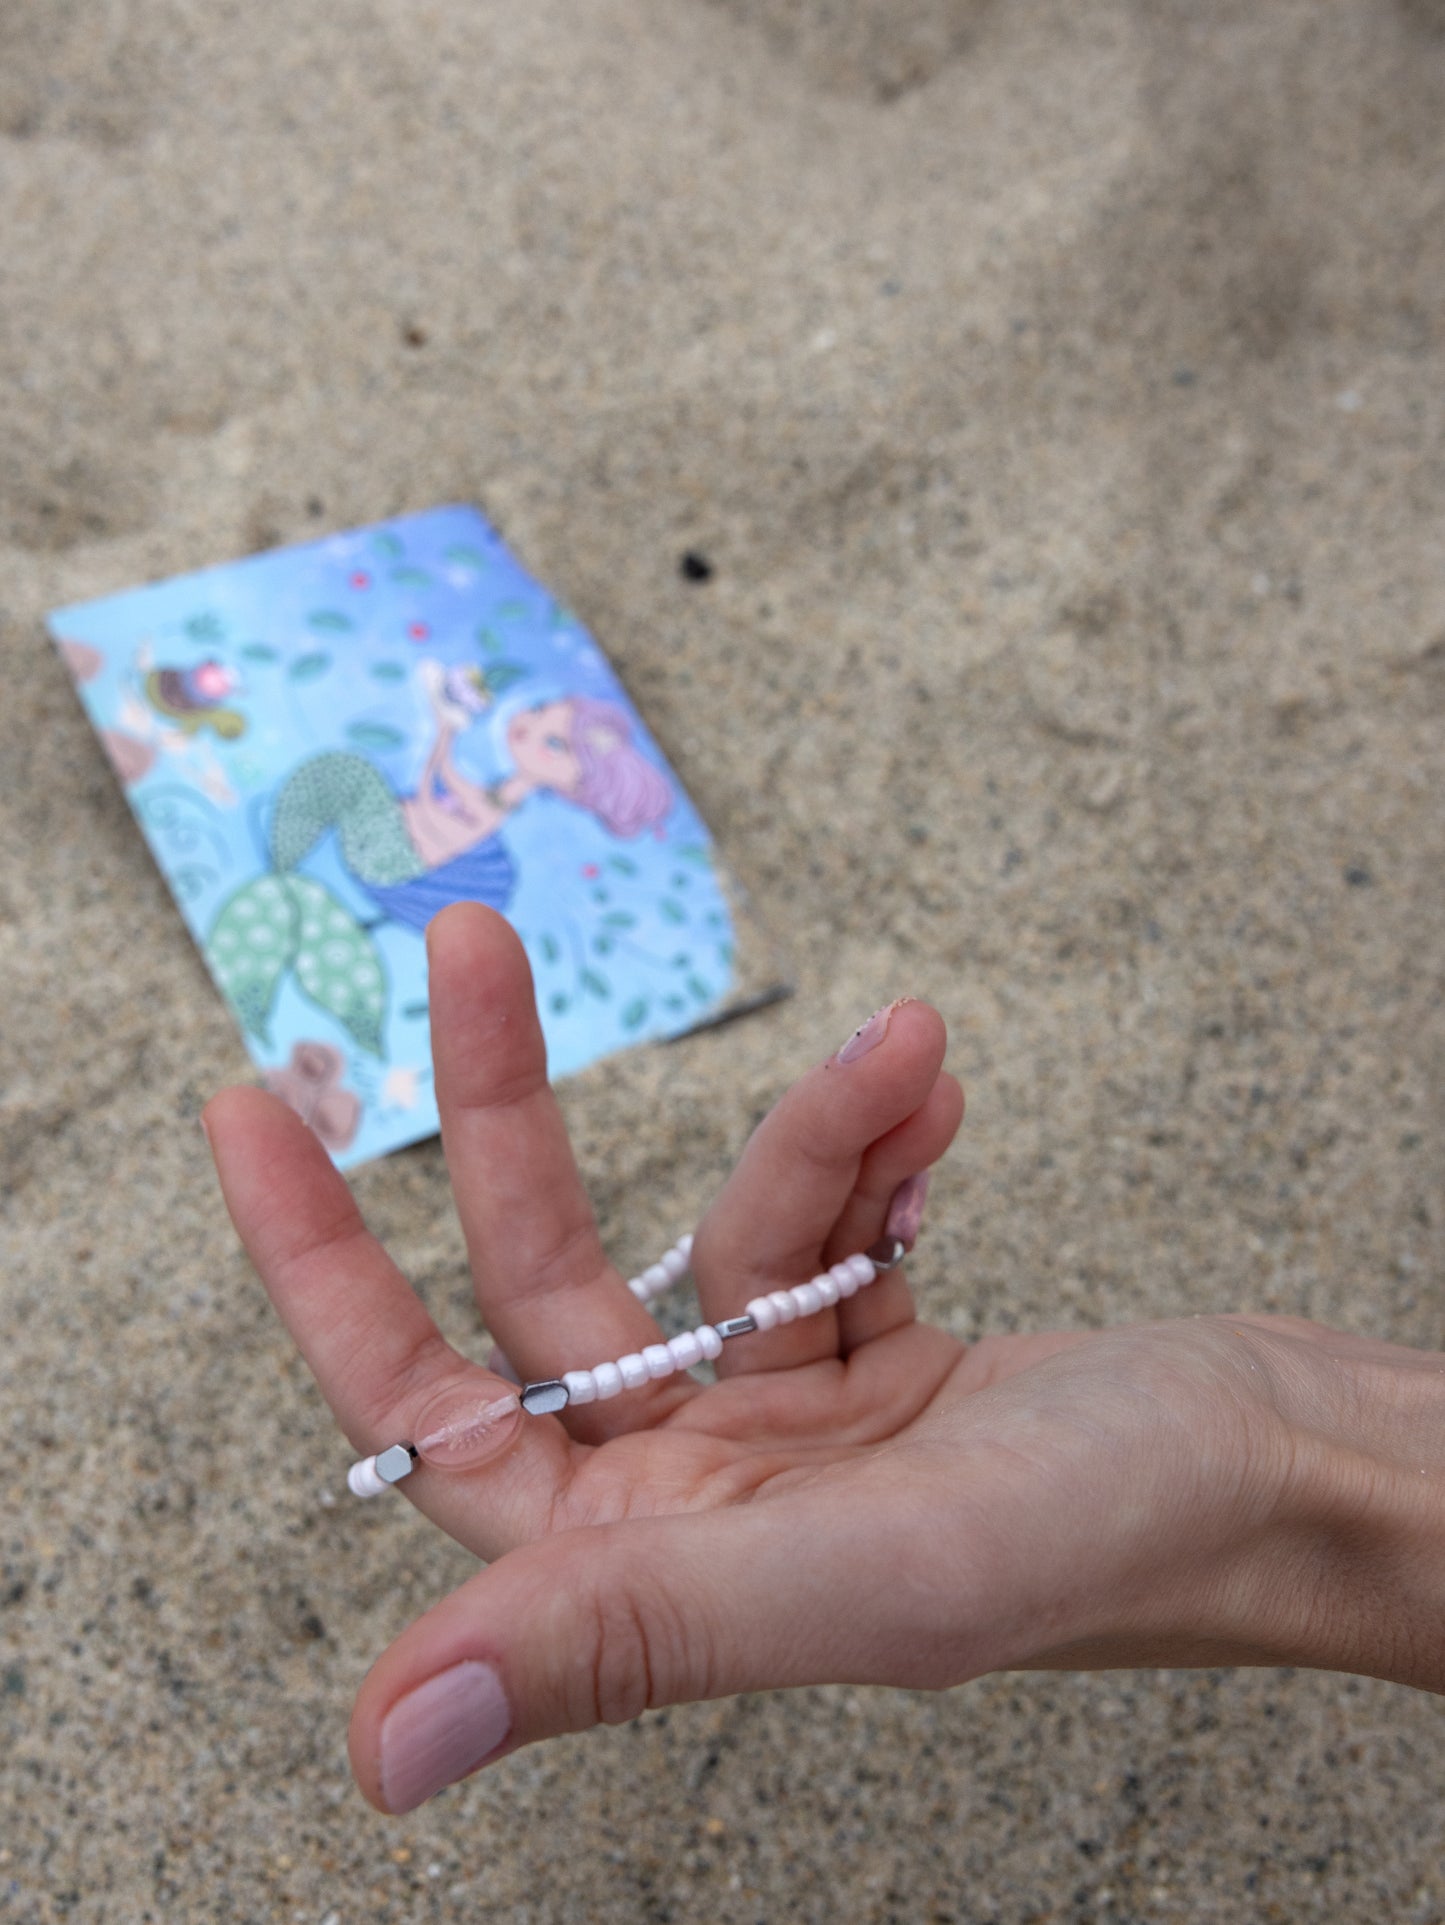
(842, 1280)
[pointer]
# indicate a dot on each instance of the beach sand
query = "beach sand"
(1057, 391)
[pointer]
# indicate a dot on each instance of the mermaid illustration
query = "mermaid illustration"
(414, 854)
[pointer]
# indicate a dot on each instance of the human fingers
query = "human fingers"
(543, 1282)
(908, 1152)
(779, 1208)
(593, 1626)
(381, 1363)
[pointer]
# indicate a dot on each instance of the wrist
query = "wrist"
(1356, 1581)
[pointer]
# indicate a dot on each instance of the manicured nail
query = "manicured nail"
(870, 1034)
(867, 1036)
(501, 1365)
(905, 1212)
(440, 1732)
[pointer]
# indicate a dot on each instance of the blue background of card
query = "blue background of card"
(629, 938)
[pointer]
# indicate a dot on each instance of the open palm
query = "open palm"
(858, 1497)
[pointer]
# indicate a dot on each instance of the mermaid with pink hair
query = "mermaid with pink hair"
(415, 854)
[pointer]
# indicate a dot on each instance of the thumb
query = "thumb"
(594, 1626)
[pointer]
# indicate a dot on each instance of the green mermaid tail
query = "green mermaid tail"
(350, 795)
(279, 923)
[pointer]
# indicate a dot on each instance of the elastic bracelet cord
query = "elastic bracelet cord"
(549, 1395)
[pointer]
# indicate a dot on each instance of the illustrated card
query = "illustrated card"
(325, 745)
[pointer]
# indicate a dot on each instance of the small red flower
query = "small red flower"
(418, 631)
(591, 871)
(361, 579)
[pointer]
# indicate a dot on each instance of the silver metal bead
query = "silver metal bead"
(544, 1398)
(393, 1463)
(735, 1327)
(886, 1254)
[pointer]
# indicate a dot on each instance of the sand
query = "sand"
(1057, 393)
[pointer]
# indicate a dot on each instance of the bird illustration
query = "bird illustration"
(191, 698)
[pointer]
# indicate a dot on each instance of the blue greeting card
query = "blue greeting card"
(325, 745)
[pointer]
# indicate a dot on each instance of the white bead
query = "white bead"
(708, 1341)
(656, 1278)
(581, 1386)
(639, 1289)
(783, 1301)
(828, 1288)
(764, 1313)
(659, 1360)
(807, 1299)
(608, 1379)
(686, 1350)
(863, 1268)
(842, 1280)
(675, 1263)
(633, 1368)
(362, 1480)
(684, 1243)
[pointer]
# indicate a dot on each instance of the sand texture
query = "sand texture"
(1058, 392)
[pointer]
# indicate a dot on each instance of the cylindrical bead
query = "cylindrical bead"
(806, 1296)
(362, 1480)
(764, 1313)
(684, 1243)
(863, 1268)
(659, 1360)
(686, 1350)
(708, 1341)
(581, 1386)
(633, 1368)
(782, 1300)
(608, 1379)
(827, 1288)
(656, 1279)
(675, 1263)
(639, 1289)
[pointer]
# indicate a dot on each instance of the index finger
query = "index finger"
(370, 1343)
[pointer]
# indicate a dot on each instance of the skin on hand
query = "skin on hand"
(860, 1498)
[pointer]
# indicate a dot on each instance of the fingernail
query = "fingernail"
(501, 1365)
(441, 1731)
(870, 1034)
(905, 1211)
(205, 1129)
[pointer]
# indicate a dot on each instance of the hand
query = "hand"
(860, 1497)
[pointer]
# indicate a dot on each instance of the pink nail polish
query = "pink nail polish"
(870, 1034)
(442, 1730)
(867, 1036)
(905, 1211)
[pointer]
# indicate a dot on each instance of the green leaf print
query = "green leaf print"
(549, 948)
(500, 676)
(388, 671)
(590, 979)
(624, 865)
(251, 946)
(205, 627)
(330, 621)
(411, 577)
(375, 735)
(670, 910)
(390, 546)
(635, 1014)
(306, 668)
(460, 556)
